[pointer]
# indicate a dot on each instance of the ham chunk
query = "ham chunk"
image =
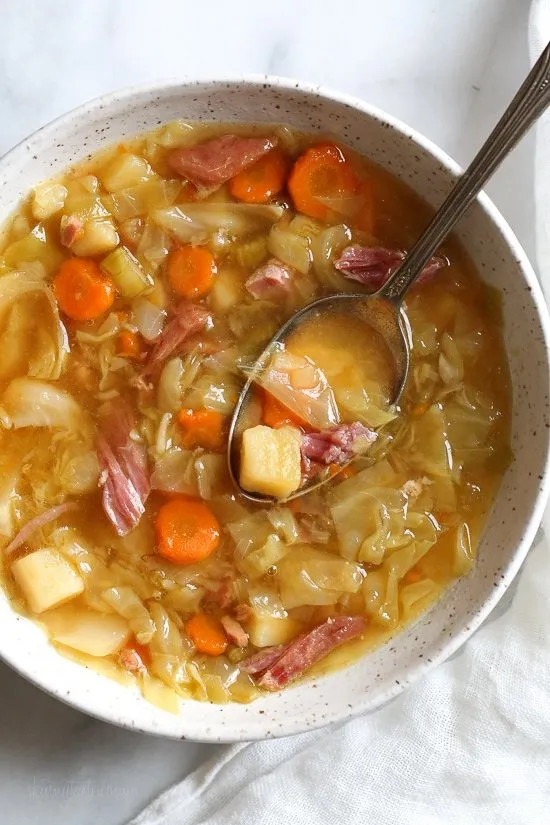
(373, 265)
(131, 661)
(282, 664)
(271, 280)
(124, 472)
(234, 631)
(188, 320)
(338, 445)
(211, 164)
(266, 658)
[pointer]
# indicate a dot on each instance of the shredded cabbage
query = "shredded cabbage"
(32, 403)
(50, 347)
(174, 472)
(325, 248)
(309, 576)
(299, 384)
(127, 604)
(192, 223)
(288, 247)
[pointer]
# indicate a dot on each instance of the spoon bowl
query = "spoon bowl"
(374, 311)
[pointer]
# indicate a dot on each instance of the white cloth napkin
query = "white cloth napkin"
(469, 743)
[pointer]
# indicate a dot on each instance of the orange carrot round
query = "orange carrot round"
(187, 531)
(207, 634)
(129, 344)
(261, 181)
(191, 271)
(202, 428)
(82, 291)
(320, 175)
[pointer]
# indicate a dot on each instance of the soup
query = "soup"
(136, 292)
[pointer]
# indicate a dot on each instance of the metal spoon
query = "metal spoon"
(383, 310)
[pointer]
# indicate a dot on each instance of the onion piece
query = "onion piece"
(149, 318)
(36, 523)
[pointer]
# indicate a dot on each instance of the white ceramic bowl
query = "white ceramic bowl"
(518, 509)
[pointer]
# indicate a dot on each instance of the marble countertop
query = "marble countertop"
(448, 70)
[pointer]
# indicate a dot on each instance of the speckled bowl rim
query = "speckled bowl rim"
(365, 703)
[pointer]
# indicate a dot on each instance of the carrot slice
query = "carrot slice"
(275, 414)
(202, 428)
(320, 178)
(130, 344)
(191, 271)
(187, 531)
(207, 634)
(261, 181)
(82, 291)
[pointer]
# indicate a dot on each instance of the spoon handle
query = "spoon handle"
(530, 101)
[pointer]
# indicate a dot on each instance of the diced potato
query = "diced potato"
(124, 171)
(99, 236)
(227, 290)
(46, 579)
(270, 460)
(127, 273)
(97, 634)
(266, 631)
(82, 198)
(49, 198)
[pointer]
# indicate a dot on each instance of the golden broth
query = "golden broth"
(451, 437)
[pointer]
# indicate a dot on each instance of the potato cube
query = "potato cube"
(46, 579)
(125, 171)
(48, 199)
(99, 237)
(267, 631)
(270, 461)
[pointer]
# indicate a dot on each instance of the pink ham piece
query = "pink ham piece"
(235, 631)
(131, 661)
(124, 472)
(36, 523)
(214, 162)
(188, 320)
(71, 229)
(266, 658)
(335, 446)
(283, 664)
(271, 280)
(373, 265)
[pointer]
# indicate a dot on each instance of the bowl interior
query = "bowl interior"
(515, 516)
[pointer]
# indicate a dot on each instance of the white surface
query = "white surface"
(447, 71)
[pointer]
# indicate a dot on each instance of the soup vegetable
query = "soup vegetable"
(136, 291)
